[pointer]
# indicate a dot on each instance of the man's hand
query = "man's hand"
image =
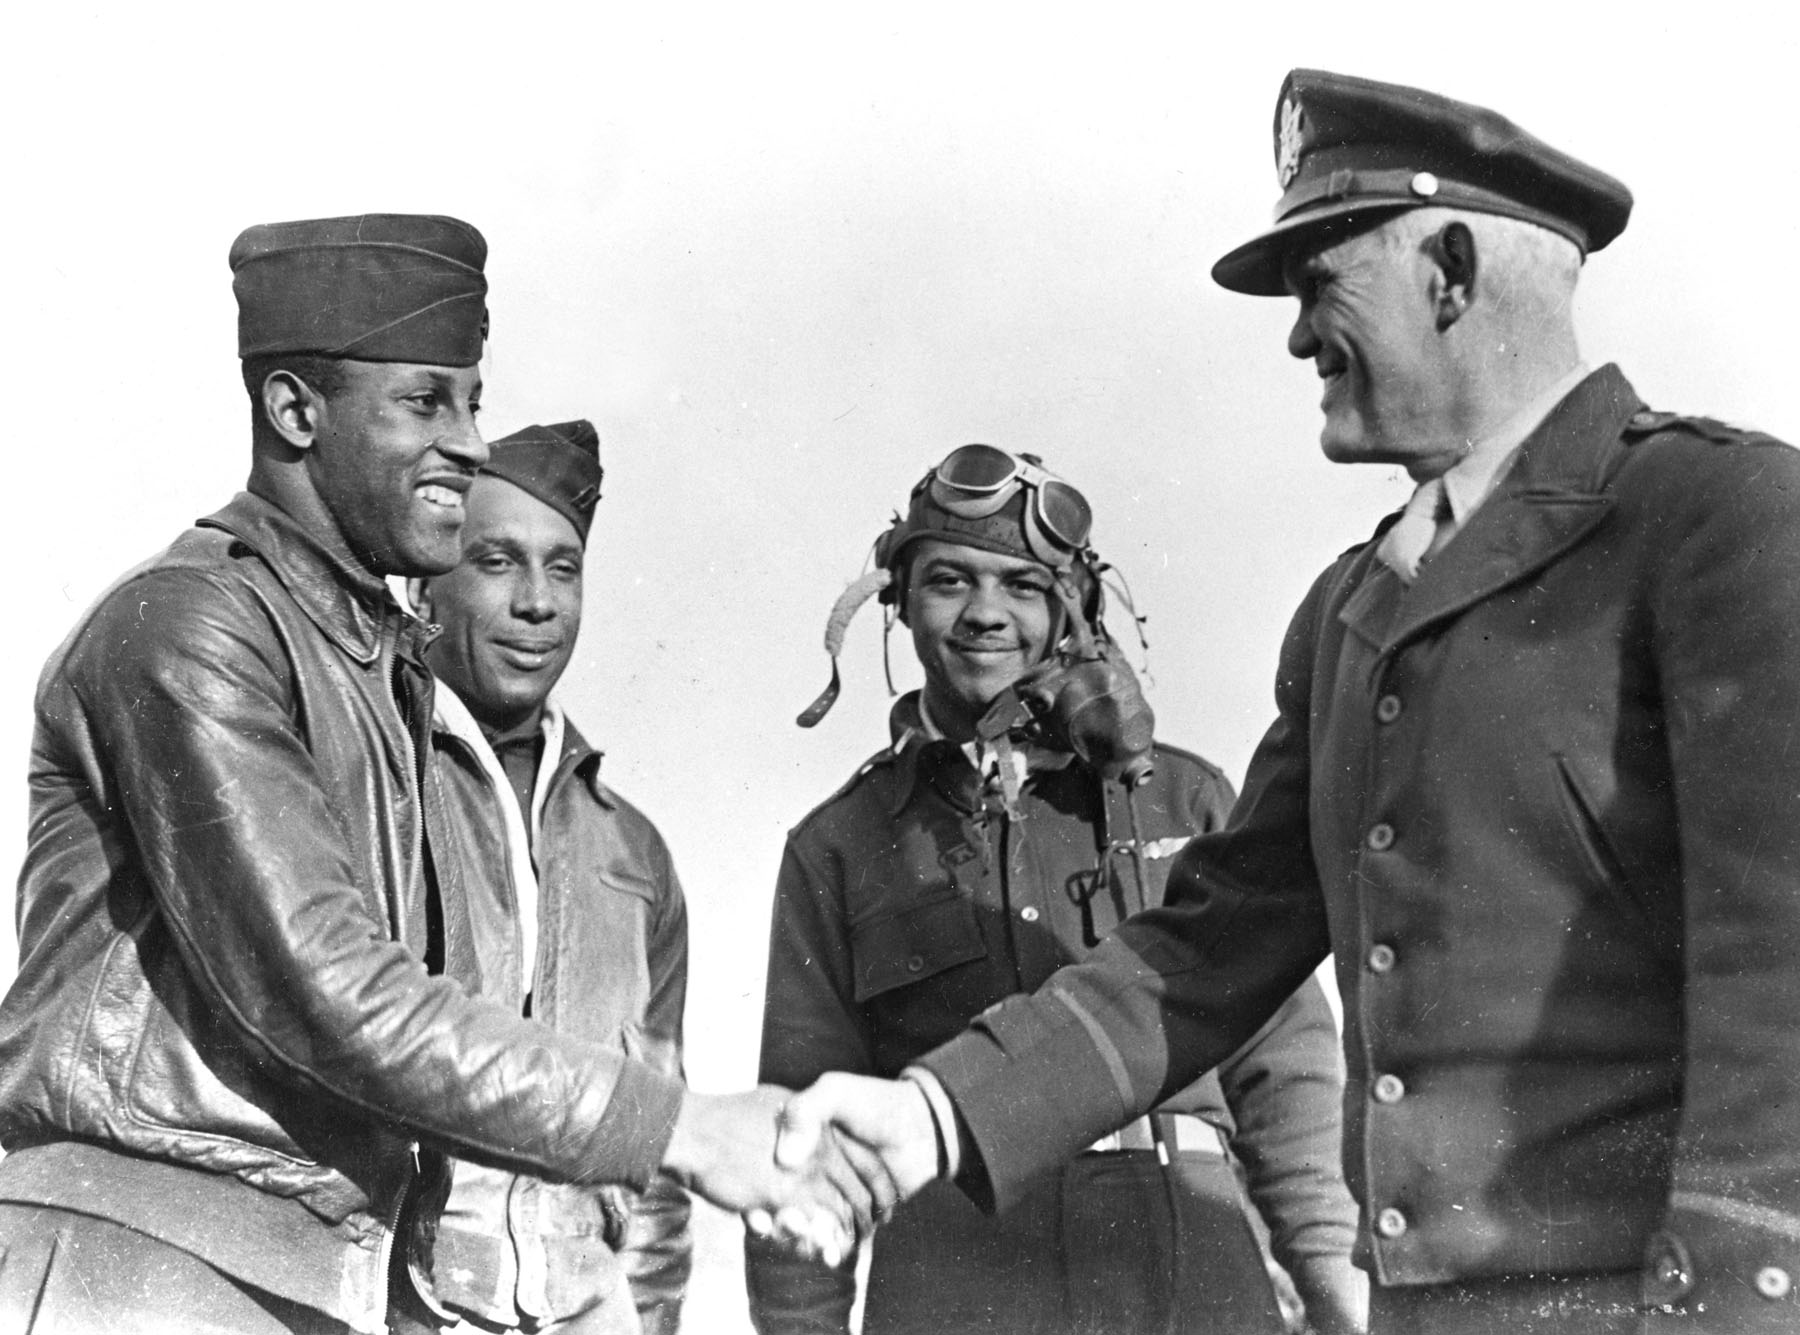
(724, 1148)
(890, 1120)
(1336, 1295)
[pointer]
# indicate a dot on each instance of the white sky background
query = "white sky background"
(785, 260)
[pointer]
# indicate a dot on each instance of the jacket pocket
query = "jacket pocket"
(898, 949)
(1582, 819)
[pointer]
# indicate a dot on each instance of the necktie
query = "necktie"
(1405, 544)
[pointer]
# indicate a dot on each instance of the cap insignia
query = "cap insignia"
(1287, 154)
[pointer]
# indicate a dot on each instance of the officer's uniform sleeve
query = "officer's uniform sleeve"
(1172, 992)
(811, 1025)
(1727, 640)
(657, 1250)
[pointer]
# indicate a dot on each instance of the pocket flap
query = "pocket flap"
(901, 948)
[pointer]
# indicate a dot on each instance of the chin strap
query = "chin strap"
(836, 625)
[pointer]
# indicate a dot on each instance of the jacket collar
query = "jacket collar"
(452, 720)
(349, 605)
(915, 752)
(1552, 498)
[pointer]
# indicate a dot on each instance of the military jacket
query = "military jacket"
(611, 970)
(1544, 805)
(909, 902)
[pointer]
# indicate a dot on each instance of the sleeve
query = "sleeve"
(811, 1024)
(1285, 1088)
(1172, 992)
(197, 739)
(1727, 639)
(657, 1251)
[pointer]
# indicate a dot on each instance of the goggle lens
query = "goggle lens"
(977, 468)
(978, 480)
(1065, 513)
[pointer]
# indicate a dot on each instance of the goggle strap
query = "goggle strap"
(837, 625)
(887, 663)
(820, 707)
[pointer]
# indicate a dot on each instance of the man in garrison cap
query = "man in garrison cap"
(1532, 783)
(244, 1036)
(577, 915)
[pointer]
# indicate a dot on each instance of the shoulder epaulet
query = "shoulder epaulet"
(1648, 422)
(1198, 761)
(882, 759)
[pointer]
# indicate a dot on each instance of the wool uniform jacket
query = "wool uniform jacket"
(909, 901)
(1544, 806)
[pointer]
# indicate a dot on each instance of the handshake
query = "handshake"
(818, 1170)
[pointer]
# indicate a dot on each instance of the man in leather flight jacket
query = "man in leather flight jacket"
(578, 917)
(243, 1033)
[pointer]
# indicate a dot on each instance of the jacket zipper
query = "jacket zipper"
(390, 1234)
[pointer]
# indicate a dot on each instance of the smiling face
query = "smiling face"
(1368, 322)
(511, 610)
(978, 620)
(392, 457)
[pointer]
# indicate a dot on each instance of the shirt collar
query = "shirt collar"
(982, 755)
(912, 734)
(1473, 478)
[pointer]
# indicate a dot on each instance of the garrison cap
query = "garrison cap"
(1352, 152)
(559, 465)
(375, 287)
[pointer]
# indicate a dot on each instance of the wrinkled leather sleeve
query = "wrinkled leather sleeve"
(1172, 992)
(193, 732)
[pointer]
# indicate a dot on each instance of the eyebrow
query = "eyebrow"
(563, 551)
(952, 564)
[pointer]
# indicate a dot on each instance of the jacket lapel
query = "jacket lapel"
(1552, 499)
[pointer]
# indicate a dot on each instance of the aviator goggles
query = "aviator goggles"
(975, 481)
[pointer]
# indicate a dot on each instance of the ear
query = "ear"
(418, 593)
(1452, 250)
(292, 408)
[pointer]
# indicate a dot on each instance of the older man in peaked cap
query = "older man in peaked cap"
(1532, 781)
(578, 916)
(242, 1037)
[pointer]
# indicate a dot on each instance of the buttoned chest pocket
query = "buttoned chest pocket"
(913, 944)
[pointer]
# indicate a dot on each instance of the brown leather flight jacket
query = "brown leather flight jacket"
(610, 967)
(223, 918)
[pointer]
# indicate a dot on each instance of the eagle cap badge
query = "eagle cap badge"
(1287, 149)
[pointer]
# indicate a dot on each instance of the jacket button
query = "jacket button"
(1029, 913)
(1774, 1282)
(1389, 1089)
(1381, 837)
(1390, 1223)
(914, 963)
(1671, 1274)
(1387, 709)
(1381, 958)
